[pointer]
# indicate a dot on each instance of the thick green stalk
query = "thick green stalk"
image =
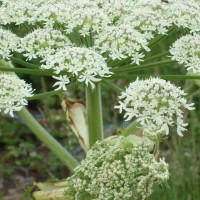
(64, 156)
(94, 113)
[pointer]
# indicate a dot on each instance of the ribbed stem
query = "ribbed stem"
(61, 153)
(94, 113)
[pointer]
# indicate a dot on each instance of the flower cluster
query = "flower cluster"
(147, 21)
(116, 169)
(186, 50)
(84, 63)
(122, 41)
(86, 19)
(8, 43)
(184, 13)
(116, 10)
(156, 104)
(42, 42)
(13, 93)
(26, 11)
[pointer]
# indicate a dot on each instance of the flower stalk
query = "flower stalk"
(133, 67)
(94, 113)
(61, 153)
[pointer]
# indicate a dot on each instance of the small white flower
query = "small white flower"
(13, 93)
(62, 82)
(156, 104)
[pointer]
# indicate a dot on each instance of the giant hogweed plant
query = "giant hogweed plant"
(92, 43)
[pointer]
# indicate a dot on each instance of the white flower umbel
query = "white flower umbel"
(22, 11)
(116, 9)
(156, 104)
(86, 19)
(186, 51)
(184, 13)
(42, 42)
(85, 64)
(122, 41)
(13, 93)
(147, 20)
(116, 170)
(8, 43)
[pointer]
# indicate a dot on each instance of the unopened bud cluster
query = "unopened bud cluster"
(117, 170)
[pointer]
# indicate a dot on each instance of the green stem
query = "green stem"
(120, 62)
(167, 77)
(64, 156)
(112, 86)
(192, 89)
(94, 113)
(156, 147)
(132, 128)
(44, 94)
(156, 56)
(28, 71)
(162, 37)
(133, 68)
(24, 63)
(51, 93)
(114, 63)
